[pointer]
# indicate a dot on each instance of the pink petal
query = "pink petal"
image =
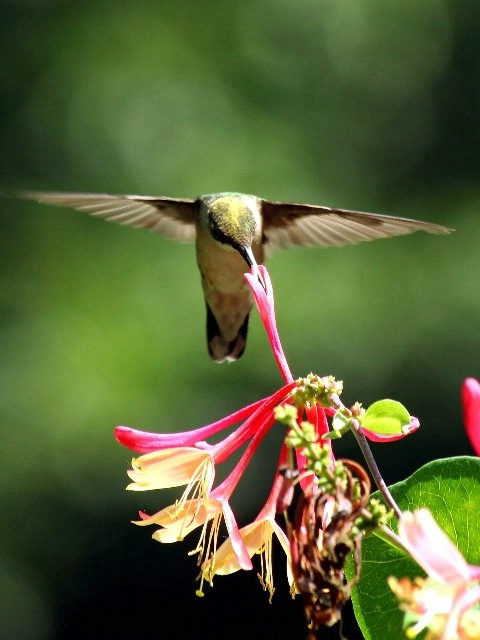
(265, 304)
(467, 599)
(471, 411)
(238, 544)
(224, 490)
(316, 416)
(431, 548)
(228, 445)
(146, 442)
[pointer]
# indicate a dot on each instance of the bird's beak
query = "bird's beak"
(247, 254)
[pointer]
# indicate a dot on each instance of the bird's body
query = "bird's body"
(227, 295)
(233, 231)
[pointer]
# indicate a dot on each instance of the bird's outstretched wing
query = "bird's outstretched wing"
(171, 217)
(288, 224)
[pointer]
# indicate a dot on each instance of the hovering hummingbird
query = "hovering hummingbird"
(232, 231)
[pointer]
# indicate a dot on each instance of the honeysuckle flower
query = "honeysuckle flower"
(146, 442)
(209, 510)
(257, 537)
(446, 602)
(194, 466)
(172, 467)
(261, 286)
(188, 459)
(178, 520)
(318, 426)
(471, 411)
(316, 417)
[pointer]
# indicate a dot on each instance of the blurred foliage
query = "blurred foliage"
(367, 105)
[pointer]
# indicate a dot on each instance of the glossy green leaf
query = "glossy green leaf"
(450, 488)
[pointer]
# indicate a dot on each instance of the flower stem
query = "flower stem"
(374, 470)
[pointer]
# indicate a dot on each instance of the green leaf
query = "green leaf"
(387, 417)
(450, 488)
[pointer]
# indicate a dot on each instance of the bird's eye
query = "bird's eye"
(217, 233)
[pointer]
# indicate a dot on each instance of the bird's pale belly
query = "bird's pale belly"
(226, 291)
(222, 269)
(228, 297)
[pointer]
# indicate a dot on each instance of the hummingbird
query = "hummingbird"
(233, 231)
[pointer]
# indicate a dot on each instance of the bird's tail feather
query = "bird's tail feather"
(222, 350)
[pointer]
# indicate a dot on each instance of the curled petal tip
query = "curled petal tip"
(139, 441)
(123, 435)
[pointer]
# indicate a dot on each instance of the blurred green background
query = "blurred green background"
(370, 105)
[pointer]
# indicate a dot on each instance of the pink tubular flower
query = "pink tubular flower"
(316, 416)
(187, 459)
(179, 520)
(261, 286)
(471, 411)
(145, 442)
(445, 601)
(174, 465)
(257, 537)
(259, 281)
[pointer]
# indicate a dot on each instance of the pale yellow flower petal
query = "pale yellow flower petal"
(257, 537)
(194, 514)
(171, 468)
(178, 521)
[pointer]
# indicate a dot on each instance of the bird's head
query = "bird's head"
(234, 220)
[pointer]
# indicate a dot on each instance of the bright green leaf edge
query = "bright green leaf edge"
(450, 488)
